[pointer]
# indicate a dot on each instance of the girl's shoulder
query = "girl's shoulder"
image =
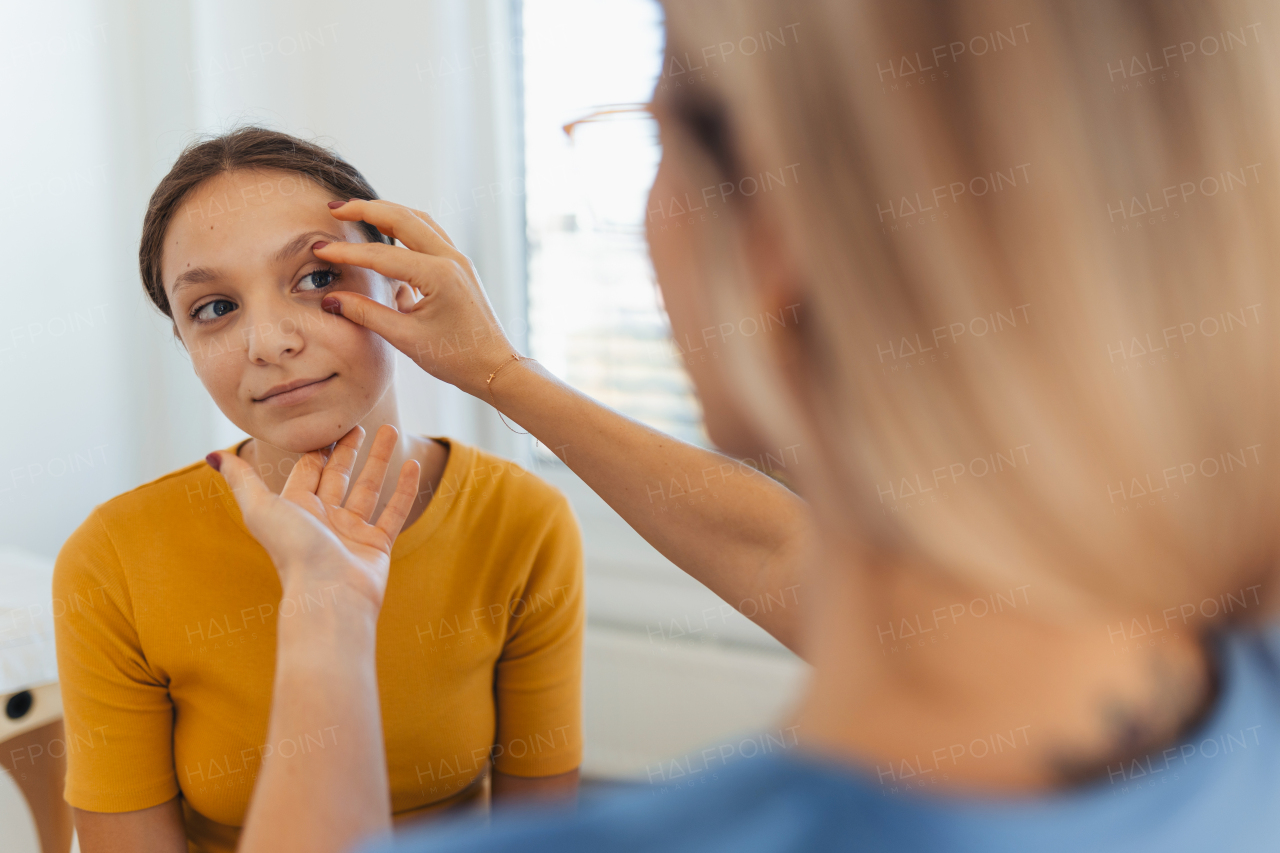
(492, 483)
(176, 499)
(175, 512)
(180, 511)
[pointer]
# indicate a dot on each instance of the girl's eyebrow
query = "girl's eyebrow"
(191, 277)
(302, 241)
(202, 275)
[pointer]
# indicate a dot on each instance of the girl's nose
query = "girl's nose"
(274, 333)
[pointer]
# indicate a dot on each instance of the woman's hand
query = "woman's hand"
(750, 542)
(314, 541)
(451, 332)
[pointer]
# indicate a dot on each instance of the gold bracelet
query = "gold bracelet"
(488, 383)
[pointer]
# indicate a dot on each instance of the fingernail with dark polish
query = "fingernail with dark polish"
(318, 245)
(331, 304)
(334, 205)
(214, 460)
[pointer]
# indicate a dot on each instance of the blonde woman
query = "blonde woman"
(1034, 380)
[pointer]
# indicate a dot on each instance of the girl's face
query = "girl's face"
(245, 290)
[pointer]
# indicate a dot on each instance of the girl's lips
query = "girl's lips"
(297, 395)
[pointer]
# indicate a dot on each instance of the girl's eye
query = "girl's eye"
(203, 315)
(321, 278)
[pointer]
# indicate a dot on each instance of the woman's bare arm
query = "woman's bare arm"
(732, 528)
(158, 829)
(329, 800)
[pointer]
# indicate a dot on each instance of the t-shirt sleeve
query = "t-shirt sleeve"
(538, 681)
(117, 712)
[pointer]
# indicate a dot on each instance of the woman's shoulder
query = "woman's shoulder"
(1215, 790)
(765, 803)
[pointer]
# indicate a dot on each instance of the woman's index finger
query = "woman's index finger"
(393, 515)
(434, 225)
(396, 221)
(395, 262)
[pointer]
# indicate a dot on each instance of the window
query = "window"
(595, 317)
(594, 313)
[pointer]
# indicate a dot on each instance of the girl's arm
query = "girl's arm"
(113, 702)
(158, 829)
(537, 683)
(744, 542)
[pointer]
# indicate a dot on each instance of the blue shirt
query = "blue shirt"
(1217, 790)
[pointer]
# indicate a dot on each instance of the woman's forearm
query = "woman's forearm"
(731, 528)
(323, 786)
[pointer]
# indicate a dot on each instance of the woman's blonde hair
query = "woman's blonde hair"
(1039, 236)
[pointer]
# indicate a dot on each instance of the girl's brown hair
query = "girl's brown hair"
(248, 148)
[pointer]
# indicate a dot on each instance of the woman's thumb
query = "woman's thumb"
(370, 313)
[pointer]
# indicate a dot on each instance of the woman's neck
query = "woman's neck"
(274, 463)
(922, 684)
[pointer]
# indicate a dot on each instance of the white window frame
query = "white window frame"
(630, 585)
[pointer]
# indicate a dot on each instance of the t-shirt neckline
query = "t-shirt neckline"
(414, 536)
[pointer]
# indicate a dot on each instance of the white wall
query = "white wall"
(97, 397)
(69, 392)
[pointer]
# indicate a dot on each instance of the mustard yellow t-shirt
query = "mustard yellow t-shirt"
(166, 646)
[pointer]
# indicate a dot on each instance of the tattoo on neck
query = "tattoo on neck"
(1178, 697)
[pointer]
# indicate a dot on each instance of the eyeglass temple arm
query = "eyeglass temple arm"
(599, 114)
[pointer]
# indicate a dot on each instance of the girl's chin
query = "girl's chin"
(301, 440)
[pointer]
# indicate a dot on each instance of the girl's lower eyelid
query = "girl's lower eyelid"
(194, 311)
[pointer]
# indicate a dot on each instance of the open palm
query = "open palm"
(310, 536)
